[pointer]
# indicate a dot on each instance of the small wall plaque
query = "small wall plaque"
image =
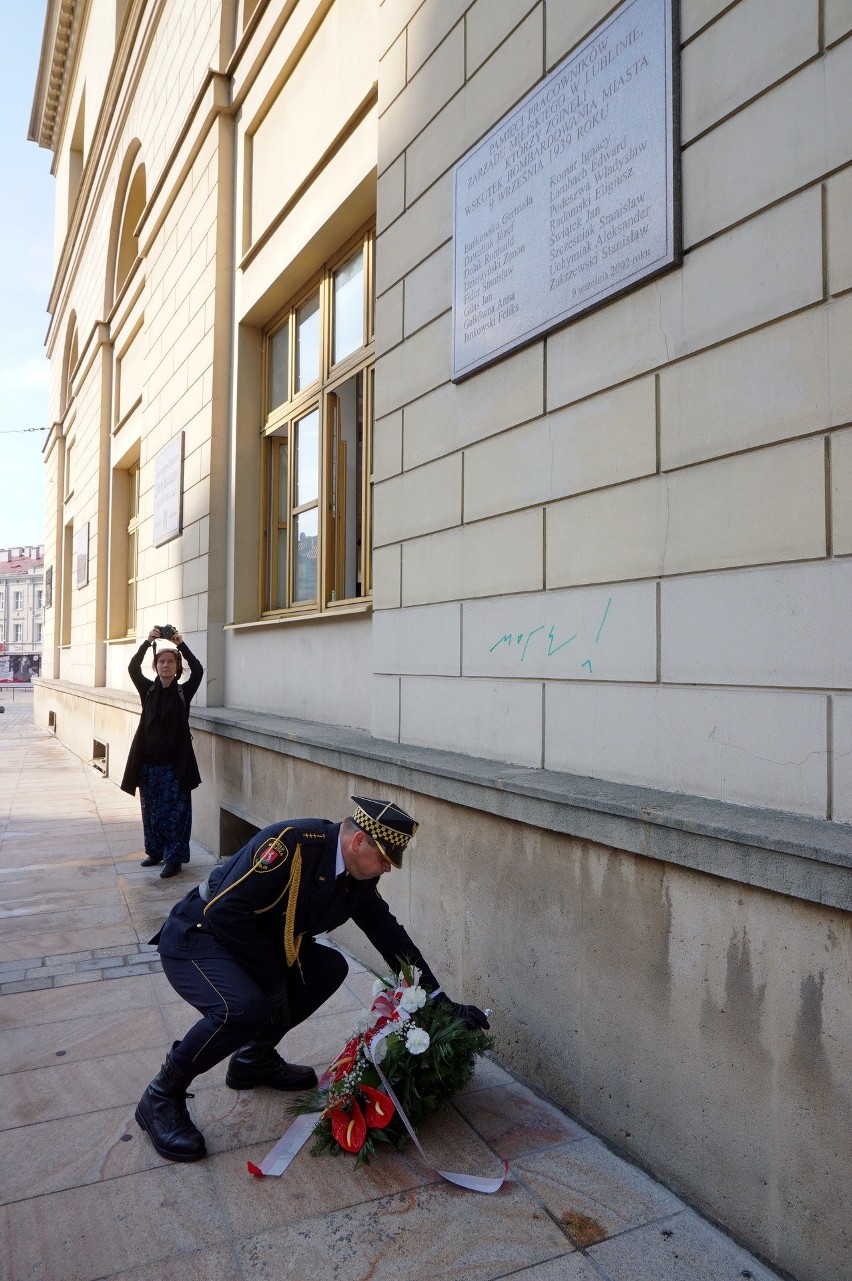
(81, 555)
(168, 491)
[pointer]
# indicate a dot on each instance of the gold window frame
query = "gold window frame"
(278, 433)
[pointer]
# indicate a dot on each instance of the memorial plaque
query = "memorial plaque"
(168, 491)
(81, 555)
(572, 198)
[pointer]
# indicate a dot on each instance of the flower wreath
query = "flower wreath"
(408, 1057)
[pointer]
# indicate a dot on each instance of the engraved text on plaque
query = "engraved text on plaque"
(571, 197)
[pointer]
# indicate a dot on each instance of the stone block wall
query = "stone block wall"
(623, 551)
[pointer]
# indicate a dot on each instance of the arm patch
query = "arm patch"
(269, 855)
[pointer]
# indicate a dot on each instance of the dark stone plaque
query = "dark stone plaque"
(573, 197)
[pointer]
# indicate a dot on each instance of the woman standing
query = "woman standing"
(161, 762)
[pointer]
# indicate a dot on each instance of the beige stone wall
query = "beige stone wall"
(304, 174)
(145, 358)
(699, 1024)
(179, 349)
(663, 478)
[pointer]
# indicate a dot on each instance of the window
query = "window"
(132, 561)
(69, 367)
(38, 633)
(76, 155)
(17, 633)
(17, 600)
(128, 243)
(65, 584)
(2, 631)
(318, 362)
(39, 598)
(69, 469)
(249, 7)
(2, 600)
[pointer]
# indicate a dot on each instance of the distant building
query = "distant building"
(21, 612)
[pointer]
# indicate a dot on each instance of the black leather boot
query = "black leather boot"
(152, 860)
(162, 1114)
(259, 1064)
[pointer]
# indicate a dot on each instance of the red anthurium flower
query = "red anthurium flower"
(349, 1128)
(379, 1108)
(344, 1061)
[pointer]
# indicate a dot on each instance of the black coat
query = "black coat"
(185, 765)
(250, 910)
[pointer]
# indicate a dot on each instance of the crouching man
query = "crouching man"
(242, 949)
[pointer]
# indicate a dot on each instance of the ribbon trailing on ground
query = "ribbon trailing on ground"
(296, 1136)
(390, 1019)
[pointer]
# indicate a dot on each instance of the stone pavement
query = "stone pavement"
(86, 1015)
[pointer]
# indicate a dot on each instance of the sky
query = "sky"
(26, 251)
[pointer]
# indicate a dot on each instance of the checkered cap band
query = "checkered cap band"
(381, 832)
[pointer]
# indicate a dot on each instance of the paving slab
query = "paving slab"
(683, 1247)
(85, 1197)
(592, 1193)
(431, 1233)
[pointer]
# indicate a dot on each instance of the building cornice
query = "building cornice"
(61, 30)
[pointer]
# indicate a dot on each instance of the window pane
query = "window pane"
(305, 556)
(279, 350)
(281, 600)
(349, 307)
(346, 416)
(307, 343)
(307, 459)
(282, 482)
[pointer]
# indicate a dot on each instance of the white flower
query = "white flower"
(378, 986)
(412, 999)
(364, 1020)
(380, 1049)
(417, 1041)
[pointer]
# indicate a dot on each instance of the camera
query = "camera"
(166, 631)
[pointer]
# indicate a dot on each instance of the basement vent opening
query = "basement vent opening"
(100, 757)
(234, 832)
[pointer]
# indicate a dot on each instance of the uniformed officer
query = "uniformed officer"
(242, 949)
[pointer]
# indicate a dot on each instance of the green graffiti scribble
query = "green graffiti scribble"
(550, 647)
(529, 638)
(603, 620)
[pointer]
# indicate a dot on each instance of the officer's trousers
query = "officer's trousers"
(235, 1010)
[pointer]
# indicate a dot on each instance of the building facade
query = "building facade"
(22, 604)
(585, 612)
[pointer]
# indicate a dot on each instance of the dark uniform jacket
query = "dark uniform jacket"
(185, 765)
(277, 889)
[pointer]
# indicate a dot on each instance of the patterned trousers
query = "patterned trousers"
(166, 814)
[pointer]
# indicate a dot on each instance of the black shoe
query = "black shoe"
(152, 860)
(170, 869)
(262, 1065)
(162, 1113)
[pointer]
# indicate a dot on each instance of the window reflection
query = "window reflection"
(349, 307)
(305, 549)
(307, 459)
(307, 343)
(279, 373)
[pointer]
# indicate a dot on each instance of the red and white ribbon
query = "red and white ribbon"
(296, 1136)
(473, 1182)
